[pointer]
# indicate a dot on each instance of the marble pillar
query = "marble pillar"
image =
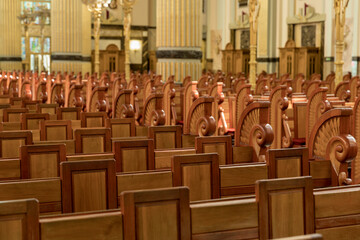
(179, 38)
(10, 37)
(68, 19)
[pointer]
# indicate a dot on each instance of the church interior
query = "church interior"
(179, 119)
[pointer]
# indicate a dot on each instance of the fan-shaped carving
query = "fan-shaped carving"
(353, 85)
(316, 106)
(188, 98)
(57, 95)
(153, 114)
(98, 101)
(355, 170)
(200, 121)
(122, 105)
(311, 87)
(13, 89)
(330, 140)
(298, 82)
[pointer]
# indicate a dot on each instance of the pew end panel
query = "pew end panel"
(19, 219)
(93, 119)
(121, 127)
(88, 185)
(41, 161)
(165, 137)
(286, 207)
(55, 130)
(10, 143)
(94, 140)
(200, 172)
(134, 155)
(286, 162)
(157, 214)
(221, 145)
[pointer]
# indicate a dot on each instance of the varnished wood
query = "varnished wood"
(55, 130)
(286, 207)
(98, 138)
(165, 137)
(41, 161)
(99, 195)
(158, 214)
(93, 119)
(219, 144)
(200, 172)
(134, 155)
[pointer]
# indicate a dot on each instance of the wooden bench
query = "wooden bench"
(19, 219)
(121, 127)
(93, 119)
(95, 140)
(55, 130)
(134, 155)
(88, 186)
(165, 137)
(41, 161)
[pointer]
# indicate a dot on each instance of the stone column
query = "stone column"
(10, 37)
(179, 38)
(67, 20)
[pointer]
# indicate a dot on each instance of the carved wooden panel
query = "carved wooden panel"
(165, 137)
(96, 140)
(221, 145)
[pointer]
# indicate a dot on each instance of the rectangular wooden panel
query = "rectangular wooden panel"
(284, 204)
(89, 191)
(198, 179)
(83, 227)
(46, 165)
(9, 169)
(285, 163)
(19, 220)
(93, 119)
(69, 113)
(121, 127)
(200, 172)
(165, 137)
(288, 167)
(346, 232)
(41, 161)
(93, 144)
(222, 145)
(55, 133)
(121, 130)
(286, 210)
(150, 219)
(88, 185)
(92, 140)
(134, 155)
(11, 147)
(156, 214)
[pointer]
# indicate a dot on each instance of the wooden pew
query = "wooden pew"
(11, 141)
(222, 145)
(41, 161)
(121, 127)
(165, 137)
(200, 173)
(285, 163)
(93, 119)
(88, 186)
(95, 140)
(286, 207)
(55, 130)
(19, 219)
(134, 155)
(157, 214)
(48, 108)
